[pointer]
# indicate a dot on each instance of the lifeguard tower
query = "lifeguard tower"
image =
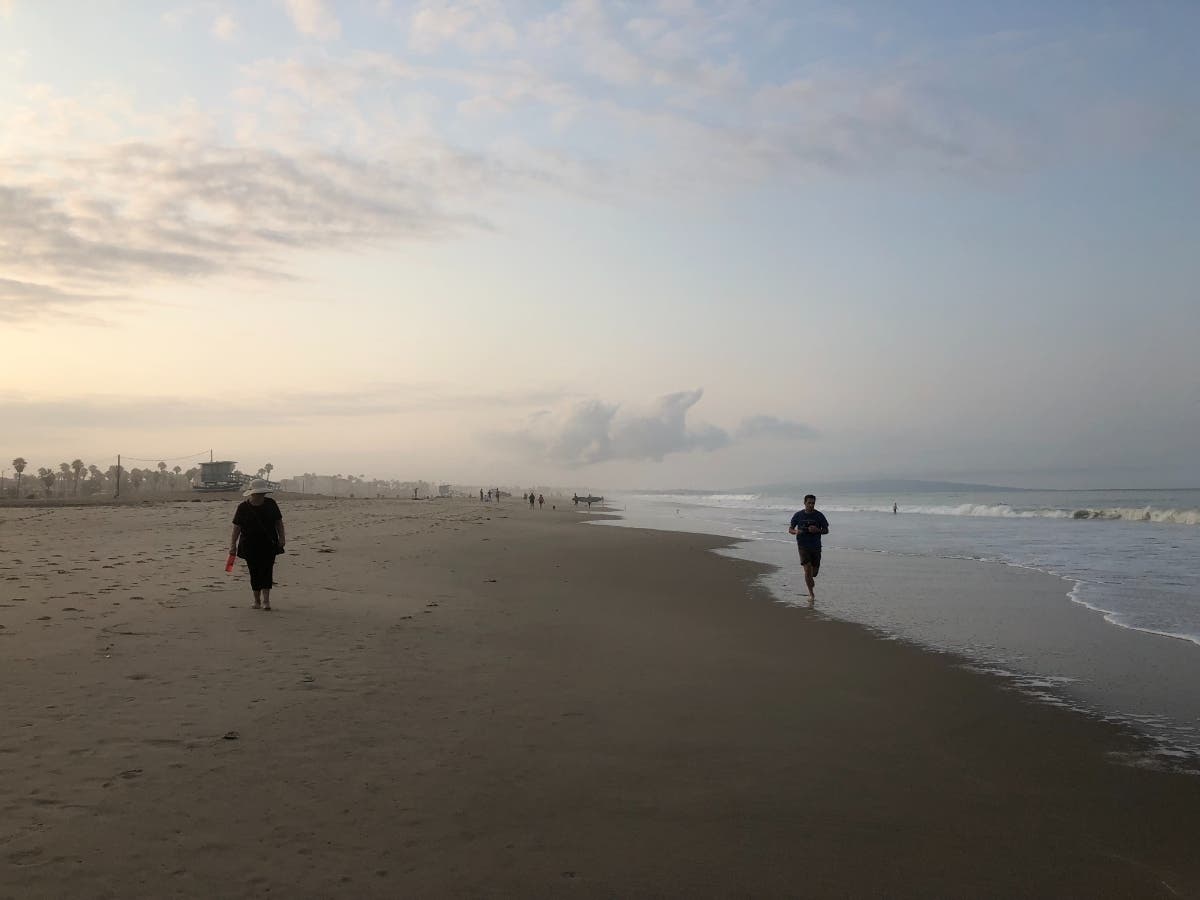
(219, 476)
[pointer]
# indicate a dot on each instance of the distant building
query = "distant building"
(443, 490)
(221, 475)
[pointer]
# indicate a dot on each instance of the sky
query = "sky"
(655, 244)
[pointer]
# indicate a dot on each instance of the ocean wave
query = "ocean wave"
(989, 510)
(1142, 514)
(768, 504)
(1003, 510)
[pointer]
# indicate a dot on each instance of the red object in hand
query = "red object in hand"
(229, 563)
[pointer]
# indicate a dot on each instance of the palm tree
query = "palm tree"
(162, 473)
(267, 468)
(47, 477)
(65, 468)
(19, 464)
(77, 467)
(135, 478)
(94, 476)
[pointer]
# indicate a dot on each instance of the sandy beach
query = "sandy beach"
(456, 699)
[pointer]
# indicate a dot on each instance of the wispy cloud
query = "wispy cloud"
(474, 25)
(137, 213)
(342, 151)
(21, 301)
(381, 401)
(773, 427)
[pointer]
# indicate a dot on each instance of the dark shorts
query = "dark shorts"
(810, 556)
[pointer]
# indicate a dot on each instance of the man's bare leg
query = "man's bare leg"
(811, 582)
(266, 595)
(257, 599)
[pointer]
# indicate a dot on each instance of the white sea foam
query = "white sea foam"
(1143, 514)
(1004, 510)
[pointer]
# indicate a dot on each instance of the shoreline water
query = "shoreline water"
(456, 700)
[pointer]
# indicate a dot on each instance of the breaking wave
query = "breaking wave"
(1003, 510)
(765, 503)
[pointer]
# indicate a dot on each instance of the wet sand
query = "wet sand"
(458, 700)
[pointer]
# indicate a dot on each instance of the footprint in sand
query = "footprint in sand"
(25, 857)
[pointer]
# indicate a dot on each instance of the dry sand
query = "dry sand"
(459, 700)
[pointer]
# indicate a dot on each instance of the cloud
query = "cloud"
(21, 301)
(114, 413)
(225, 27)
(593, 431)
(343, 152)
(664, 430)
(84, 211)
(313, 18)
(772, 427)
(474, 25)
(145, 212)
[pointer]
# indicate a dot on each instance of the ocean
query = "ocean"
(1127, 558)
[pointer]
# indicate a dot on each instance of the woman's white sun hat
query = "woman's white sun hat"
(258, 486)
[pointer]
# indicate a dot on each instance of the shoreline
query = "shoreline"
(457, 700)
(1041, 639)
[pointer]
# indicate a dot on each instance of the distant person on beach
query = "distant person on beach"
(895, 509)
(481, 495)
(541, 500)
(531, 499)
(258, 537)
(808, 525)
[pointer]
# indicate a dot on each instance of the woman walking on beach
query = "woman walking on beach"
(258, 537)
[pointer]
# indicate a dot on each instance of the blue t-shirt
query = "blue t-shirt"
(802, 520)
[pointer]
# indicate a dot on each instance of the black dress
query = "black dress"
(258, 544)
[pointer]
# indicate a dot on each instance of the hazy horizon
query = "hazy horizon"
(627, 245)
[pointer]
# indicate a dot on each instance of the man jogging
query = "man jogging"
(808, 525)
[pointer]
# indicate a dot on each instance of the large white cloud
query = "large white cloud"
(594, 431)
